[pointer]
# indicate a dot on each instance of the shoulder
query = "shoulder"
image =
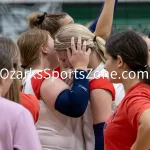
(12, 111)
(138, 95)
(102, 83)
(30, 102)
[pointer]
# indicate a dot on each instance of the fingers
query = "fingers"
(80, 47)
(84, 46)
(68, 52)
(88, 51)
(73, 48)
(79, 44)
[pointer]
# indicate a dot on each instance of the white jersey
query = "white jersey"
(57, 131)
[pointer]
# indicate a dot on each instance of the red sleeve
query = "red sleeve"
(136, 105)
(37, 80)
(57, 72)
(30, 102)
(102, 83)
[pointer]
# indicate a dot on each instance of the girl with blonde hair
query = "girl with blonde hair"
(102, 92)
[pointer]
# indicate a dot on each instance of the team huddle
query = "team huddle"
(45, 108)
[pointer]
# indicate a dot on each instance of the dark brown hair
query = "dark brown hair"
(49, 22)
(133, 50)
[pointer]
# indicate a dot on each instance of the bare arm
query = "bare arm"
(104, 24)
(101, 101)
(50, 89)
(56, 93)
(143, 137)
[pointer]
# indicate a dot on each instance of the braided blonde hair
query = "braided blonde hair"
(65, 33)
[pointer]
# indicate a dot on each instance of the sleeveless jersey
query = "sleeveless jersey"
(57, 131)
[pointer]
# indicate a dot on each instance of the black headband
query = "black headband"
(24, 67)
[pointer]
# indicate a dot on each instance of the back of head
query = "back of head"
(29, 44)
(5, 61)
(49, 22)
(5, 68)
(11, 48)
(133, 50)
(65, 33)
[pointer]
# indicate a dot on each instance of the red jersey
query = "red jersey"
(121, 128)
(30, 102)
(100, 83)
(103, 83)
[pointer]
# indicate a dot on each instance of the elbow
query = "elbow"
(76, 114)
(72, 104)
(105, 34)
(72, 111)
(78, 111)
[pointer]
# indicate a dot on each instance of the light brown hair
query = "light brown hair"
(11, 48)
(47, 21)
(29, 44)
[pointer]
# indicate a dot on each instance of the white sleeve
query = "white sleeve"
(120, 93)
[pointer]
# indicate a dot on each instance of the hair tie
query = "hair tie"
(94, 38)
(41, 18)
(144, 68)
(24, 67)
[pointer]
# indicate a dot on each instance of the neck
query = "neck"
(128, 83)
(44, 64)
(95, 60)
(1, 91)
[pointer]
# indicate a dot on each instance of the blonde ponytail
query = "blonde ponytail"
(101, 47)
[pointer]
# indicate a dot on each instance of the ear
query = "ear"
(120, 62)
(44, 49)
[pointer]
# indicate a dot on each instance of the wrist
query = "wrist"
(80, 68)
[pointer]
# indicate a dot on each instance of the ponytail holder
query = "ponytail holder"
(144, 68)
(24, 67)
(41, 18)
(94, 38)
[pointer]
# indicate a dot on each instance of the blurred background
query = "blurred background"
(130, 14)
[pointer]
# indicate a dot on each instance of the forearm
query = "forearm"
(143, 138)
(73, 102)
(104, 24)
(93, 25)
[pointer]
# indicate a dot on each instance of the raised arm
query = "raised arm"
(93, 25)
(104, 23)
